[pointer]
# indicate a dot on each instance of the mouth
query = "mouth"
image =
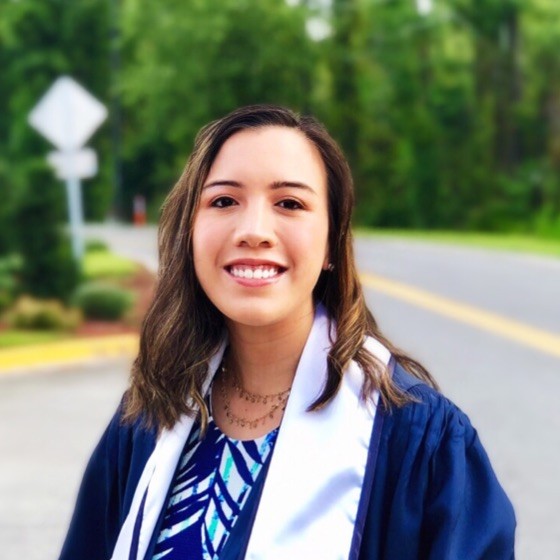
(255, 272)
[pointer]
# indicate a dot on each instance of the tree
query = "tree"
(188, 63)
(39, 41)
(449, 119)
(49, 270)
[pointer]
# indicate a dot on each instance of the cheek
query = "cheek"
(312, 243)
(322, 234)
(199, 246)
(207, 247)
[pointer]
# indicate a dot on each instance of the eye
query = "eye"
(290, 204)
(223, 202)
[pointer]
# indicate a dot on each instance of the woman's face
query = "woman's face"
(260, 233)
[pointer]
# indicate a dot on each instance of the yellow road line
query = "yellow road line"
(539, 339)
(68, 351)
(127, 345)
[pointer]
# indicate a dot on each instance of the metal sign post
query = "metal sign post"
(71, 167)
(67, 115)
(74, 194)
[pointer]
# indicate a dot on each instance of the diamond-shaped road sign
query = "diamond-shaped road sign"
(67, 114)
(424, 7)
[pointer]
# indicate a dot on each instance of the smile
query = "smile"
(261, 272)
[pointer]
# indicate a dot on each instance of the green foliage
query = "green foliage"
(103, 265)
(449, 120)
(39, 41)
(6, 215)
(49, 269)
(547, 224)
(96, 246)
(11, 338)
(35, 314)
(512, 242)
(192, 63)
(10, 269)
(103, 301)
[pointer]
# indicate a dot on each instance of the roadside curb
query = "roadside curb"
(67, 352)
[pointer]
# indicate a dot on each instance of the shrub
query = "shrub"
(49, 269)
(10, 264)
(103, 301)
(30, 313)
(10, 268)
(96, 246)
(5, 298)
(8, 190)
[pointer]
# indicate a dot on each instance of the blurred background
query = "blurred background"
(449, 113)
(449, 110)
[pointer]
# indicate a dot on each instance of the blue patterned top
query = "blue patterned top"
(212, 482)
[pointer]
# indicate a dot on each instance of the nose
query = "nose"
(255, 227)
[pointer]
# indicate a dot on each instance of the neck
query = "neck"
(266, 359)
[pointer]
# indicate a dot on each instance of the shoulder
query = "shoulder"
(127, 445)
(122, 435)
(429, 412)
(107, 488)
(119, 458)
(435, 478)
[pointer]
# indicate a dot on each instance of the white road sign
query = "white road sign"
(67, 115)
(424, 7)
(81, 164)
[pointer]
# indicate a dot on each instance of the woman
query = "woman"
(267, 417)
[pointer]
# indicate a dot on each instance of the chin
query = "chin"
(255, 314)
(253, 318)
(267, 316)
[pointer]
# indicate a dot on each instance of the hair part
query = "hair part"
(183, 329)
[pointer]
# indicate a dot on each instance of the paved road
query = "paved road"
(510, 391)
(138, 243)
(49, 424)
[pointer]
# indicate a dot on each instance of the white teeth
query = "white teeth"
(259, 272)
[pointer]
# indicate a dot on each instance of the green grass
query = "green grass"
(11, 338)
(496, 241)
(103, 265)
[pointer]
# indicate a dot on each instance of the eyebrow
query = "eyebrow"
(275, 185)
(222, 183)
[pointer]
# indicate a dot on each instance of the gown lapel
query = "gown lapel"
(152, 489)
(310, 500)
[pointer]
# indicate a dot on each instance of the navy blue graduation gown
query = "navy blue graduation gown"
(429, 492)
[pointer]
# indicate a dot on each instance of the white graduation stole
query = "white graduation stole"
(310, 498)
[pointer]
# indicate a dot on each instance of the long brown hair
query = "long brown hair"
(183, 329)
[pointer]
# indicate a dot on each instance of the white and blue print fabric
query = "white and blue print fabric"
(211, 485)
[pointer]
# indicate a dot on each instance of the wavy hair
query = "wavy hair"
(183, 329)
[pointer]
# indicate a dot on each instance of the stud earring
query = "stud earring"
(330, 267)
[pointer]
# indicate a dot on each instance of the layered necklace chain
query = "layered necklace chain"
(277, 401)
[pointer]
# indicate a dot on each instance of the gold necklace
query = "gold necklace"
(278, 400)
